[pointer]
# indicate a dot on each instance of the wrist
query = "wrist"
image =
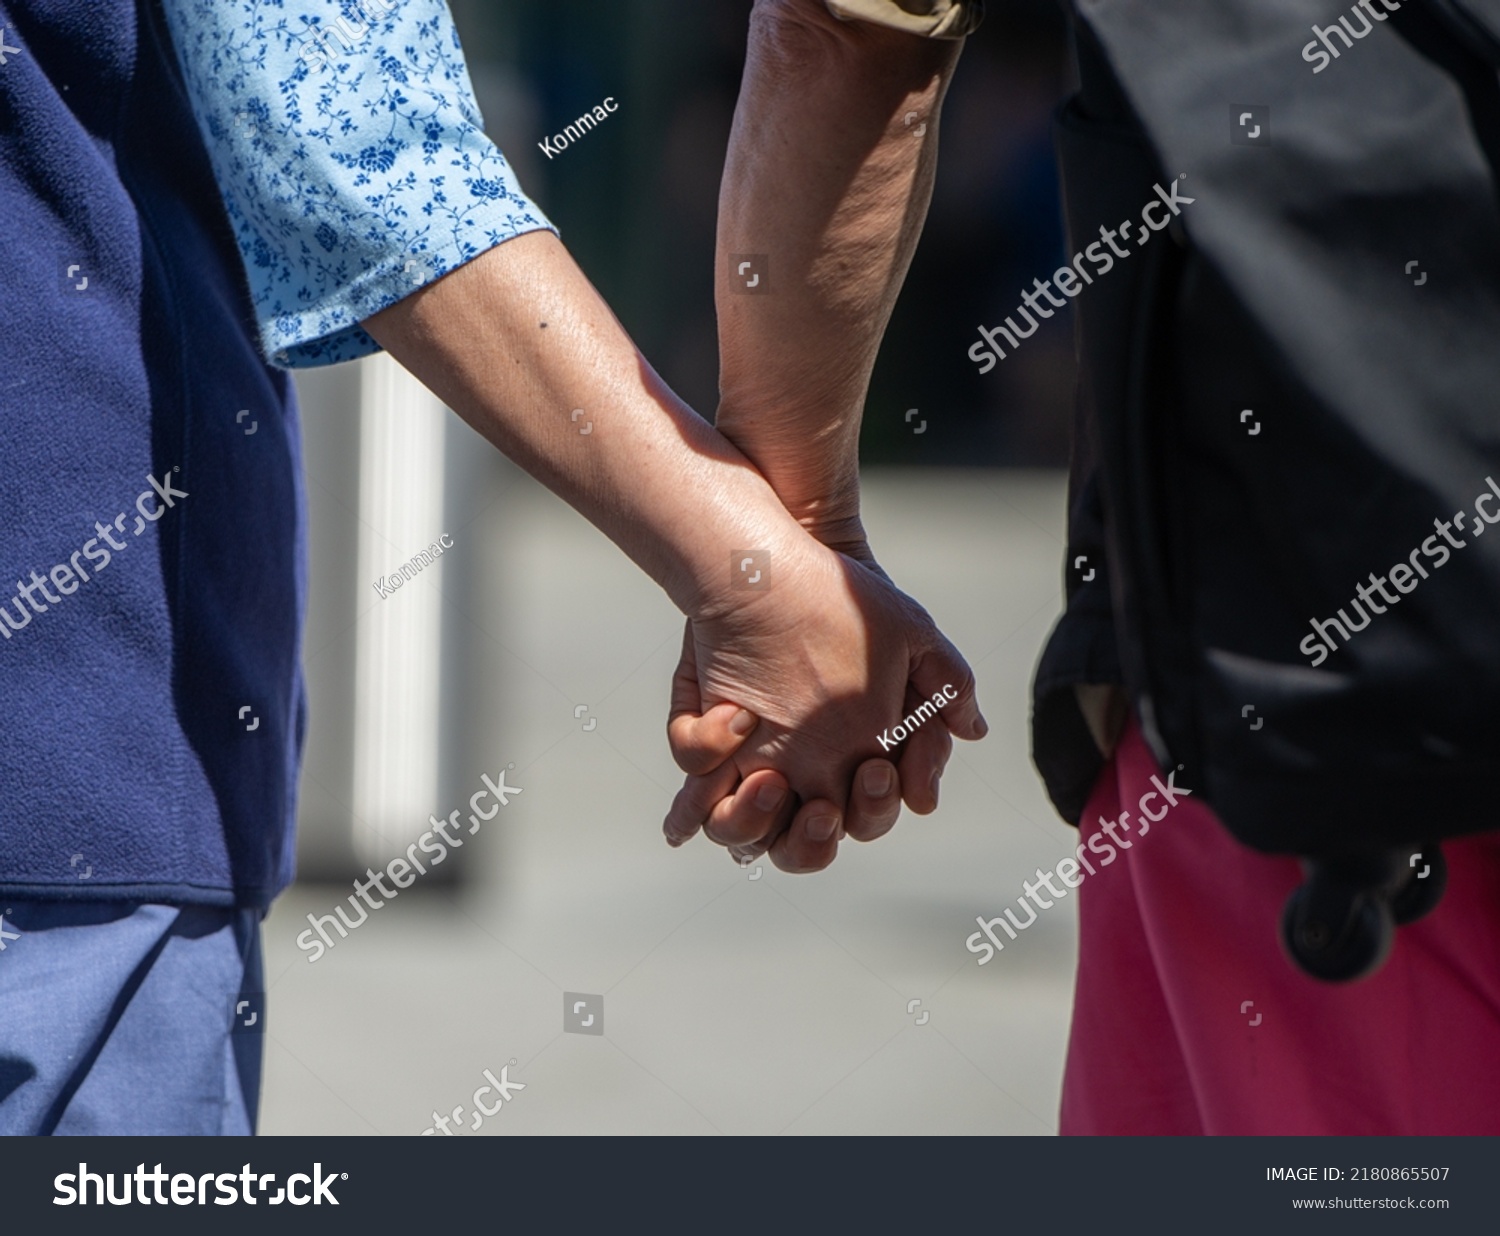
(723, 515)
(757, 563)
(812, 466)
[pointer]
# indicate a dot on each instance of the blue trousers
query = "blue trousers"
(126, 1018)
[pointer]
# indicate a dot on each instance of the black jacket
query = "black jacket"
(1284, 393)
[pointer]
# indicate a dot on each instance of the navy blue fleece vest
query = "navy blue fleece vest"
(151, 516)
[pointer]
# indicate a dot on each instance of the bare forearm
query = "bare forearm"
(515, 342)
(829, 174)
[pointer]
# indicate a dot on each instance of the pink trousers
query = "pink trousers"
(1188, 1018)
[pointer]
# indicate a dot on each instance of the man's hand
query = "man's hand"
(828, 177)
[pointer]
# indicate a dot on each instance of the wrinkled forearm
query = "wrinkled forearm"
(829, 174)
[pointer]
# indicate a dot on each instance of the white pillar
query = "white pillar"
(398, 643)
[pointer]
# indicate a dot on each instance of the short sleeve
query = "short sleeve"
(350, 153)
(933, 19)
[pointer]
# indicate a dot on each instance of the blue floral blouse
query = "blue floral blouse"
(348, 146)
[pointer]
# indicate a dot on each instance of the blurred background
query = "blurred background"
(638, 208)
(731, 1000)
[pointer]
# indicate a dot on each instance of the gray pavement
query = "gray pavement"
(730, 1004)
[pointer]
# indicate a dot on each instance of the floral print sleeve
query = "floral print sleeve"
(348, 146)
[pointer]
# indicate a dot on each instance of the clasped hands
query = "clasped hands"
(782, 693)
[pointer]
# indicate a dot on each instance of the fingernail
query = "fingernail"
(981, 727)
(878, 780)
(822, 827)
(770, 796)
(742, 723)
(936, 779)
